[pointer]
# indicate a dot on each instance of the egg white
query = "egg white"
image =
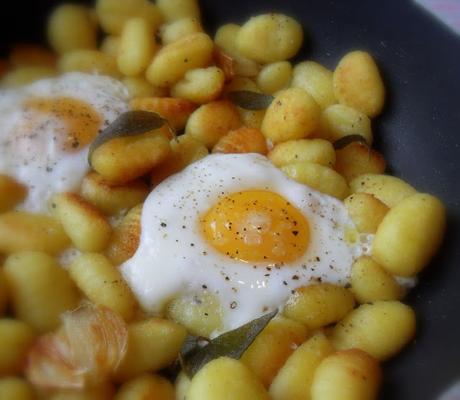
(174, 259)
(34, 157)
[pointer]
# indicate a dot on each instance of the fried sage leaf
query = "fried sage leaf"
(130, 123)
(349, 139)
(251, 100)
(231, 344)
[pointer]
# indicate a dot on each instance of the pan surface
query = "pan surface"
(419, 134)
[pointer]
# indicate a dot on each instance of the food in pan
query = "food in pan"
(191, 217)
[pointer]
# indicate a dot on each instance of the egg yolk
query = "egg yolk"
(256, 226)
(81, 121)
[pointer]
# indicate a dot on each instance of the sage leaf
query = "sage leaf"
(251, 100)
(346, 140)
(130, 123)
(231, 344)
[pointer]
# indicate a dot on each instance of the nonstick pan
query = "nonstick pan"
(419, 133)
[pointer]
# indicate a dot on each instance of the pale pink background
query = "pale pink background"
(446, 10)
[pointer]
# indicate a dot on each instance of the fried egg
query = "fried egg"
(46, 130)
(233, 225)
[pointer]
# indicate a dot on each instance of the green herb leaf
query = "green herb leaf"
(251, 100)
(346, 140)
(130, 123)
(231, 344)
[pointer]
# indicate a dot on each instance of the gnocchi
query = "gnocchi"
(274, 77)
(136, 47)
(16, 338)
(319, 305)
(295, 378)
(40, 290)
(153, 344)
(316, 80)
(358, 84)
(319, 177)
(317, 151)
(281, 335)
(71, 27)
(269, 38)
(209, 123)
(371, 328)
(327, 340)
(112, 14)
(211, 383)
(103, 284)
(355, 374)
(172, 62)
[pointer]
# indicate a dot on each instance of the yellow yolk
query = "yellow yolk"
(81, 121)
(257, 226)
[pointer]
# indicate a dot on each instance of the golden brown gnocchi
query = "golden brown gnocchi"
(89, 61)
(136, 47)
(15, 388)
(358, 159)
(200, 85)
(39, 289)
(24, 75)
(172, 62)
(126, 158)
(410, 234)
(3, 292)
(319, 305)
(225, 39)
(370, 282)
(319, 177)
(209, 123)
(281, 336)
(317, 151)
(176, 111)
(110, 198)
(371, 327)
(112, 14)
(16, 338)
(185, 149)
(338, 121)
(180, 28)
(388, 189)
(358, 84)
(355, 375)
(242, 140)
(293, 114)
(103, 284)
(71, 27)
(125, 237)
(366, 211)
(153, 344)
(320, 346)
(316, 80)
(177, 9)
(295, 377)
(21, 231)
(85, 225)
(211, 382)
(11, 193)
(274, 77)
(201, 317)
(145, 387)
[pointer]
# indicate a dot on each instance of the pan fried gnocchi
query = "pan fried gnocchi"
(165, 192)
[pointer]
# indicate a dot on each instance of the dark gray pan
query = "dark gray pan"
(419, 133)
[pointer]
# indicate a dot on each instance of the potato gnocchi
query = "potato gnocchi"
(311, 121)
